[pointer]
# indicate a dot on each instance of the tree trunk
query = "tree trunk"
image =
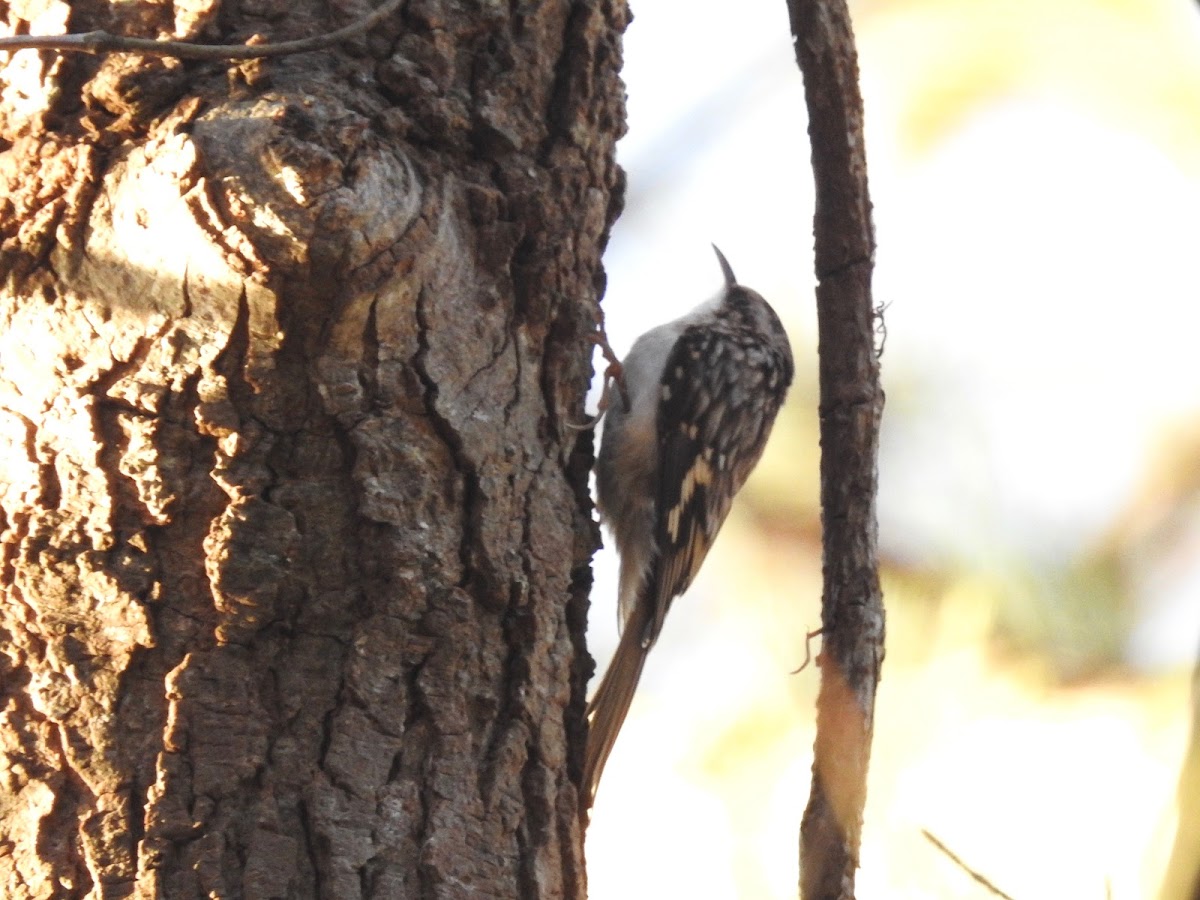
(295, 535)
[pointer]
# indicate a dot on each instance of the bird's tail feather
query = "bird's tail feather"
(609, 705)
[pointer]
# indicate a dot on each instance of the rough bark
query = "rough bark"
(294, 539)
(852, 614)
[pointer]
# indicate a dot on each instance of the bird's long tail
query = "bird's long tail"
(609, 705)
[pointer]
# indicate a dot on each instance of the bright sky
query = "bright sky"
(1036, 183)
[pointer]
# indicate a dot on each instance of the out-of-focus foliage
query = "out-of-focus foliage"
(1132, 63)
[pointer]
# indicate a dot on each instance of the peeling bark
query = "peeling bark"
(294, 539)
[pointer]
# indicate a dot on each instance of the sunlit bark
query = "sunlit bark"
(294, 533)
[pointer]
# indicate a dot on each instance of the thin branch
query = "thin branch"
(851, 406)
(96, 42)
(962, 865)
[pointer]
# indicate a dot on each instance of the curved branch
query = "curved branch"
(97, 42)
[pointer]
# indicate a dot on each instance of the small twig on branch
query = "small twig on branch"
(808, 639)
(881, 331)
(96, 42)
(962, 865)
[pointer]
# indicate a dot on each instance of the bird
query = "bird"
(699, 397)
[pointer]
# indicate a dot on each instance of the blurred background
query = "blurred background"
(1035, 172)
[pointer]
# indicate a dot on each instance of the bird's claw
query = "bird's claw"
(613, 374)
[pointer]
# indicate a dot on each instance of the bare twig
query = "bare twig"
(96, 42)
(808, 639)
(881, 331)
(962, 865)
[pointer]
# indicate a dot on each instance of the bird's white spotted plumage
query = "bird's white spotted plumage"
(704, 387)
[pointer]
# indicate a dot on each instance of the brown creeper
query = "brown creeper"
(703, 392)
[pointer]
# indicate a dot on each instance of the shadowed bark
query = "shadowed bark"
(852, 614)
(294, 539)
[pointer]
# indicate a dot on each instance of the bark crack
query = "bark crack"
(451, 438)
(368, 371)
(532, 833)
